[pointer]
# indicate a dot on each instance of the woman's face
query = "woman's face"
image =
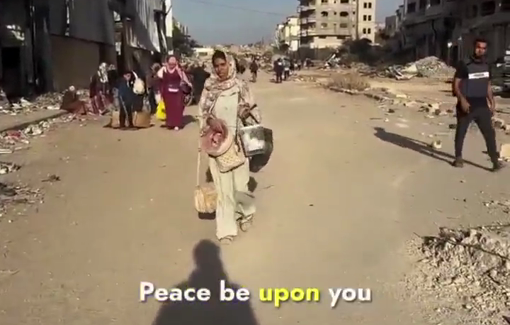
(172, 62)
(221, 68)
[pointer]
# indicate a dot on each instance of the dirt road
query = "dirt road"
(338, 205)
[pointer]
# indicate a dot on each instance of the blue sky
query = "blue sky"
(210, 23)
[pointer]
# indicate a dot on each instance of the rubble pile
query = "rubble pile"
(11, 140)
(432, 67)
(50, 101)
(467, 271)
(429, 67)
(17, 194)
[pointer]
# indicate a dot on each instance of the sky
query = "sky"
(217, 22)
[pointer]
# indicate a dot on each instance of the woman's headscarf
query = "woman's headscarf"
(214, 86)
(102, 72)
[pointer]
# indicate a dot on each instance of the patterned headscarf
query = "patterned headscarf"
(102, 72)
(214, 86)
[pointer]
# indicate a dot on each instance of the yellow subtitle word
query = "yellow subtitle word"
(279, 295)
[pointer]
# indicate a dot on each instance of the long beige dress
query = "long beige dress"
(234, 199)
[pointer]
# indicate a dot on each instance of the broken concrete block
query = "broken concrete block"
(498, 122)
(437, 144)
(504, 151)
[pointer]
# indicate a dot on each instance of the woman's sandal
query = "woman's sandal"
(246, 223)
(227, 240)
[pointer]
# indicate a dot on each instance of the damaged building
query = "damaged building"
(48, 45)
(447, 28)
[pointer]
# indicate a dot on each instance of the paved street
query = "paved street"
(338, 205)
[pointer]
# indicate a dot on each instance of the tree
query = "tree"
(182, 43)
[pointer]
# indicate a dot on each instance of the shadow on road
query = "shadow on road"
(188, 119)
(208, 273)
(418, 146)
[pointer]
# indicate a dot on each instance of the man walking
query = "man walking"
(475, 102)
(254, 68)
(278, 69)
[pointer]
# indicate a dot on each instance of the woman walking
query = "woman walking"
(228, 98)
(153, 86)
(172, 81)
(100, 90)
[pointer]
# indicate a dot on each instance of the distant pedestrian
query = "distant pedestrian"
(254, 68)
(153, 86)
(127, 99)
(173, 80)
(71, 102)
(286, 69)
(99, 90)
(475, 102)
(199, 76)
(278, 70)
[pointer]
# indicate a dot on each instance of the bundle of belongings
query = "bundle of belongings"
(218, 142)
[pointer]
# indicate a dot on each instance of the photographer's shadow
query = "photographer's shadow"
(207, 274)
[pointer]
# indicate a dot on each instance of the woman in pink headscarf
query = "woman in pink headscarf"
(172, 81)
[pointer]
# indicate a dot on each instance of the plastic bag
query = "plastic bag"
(160, 111)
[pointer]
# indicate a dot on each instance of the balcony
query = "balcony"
(307, 20)
(335, 31)
(305, 8)
(308, 32)
(327, 32)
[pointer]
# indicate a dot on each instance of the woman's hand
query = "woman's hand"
(244, 112)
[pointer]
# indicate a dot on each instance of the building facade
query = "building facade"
(288, 33)
(447, 28)
(488, 19)
(328, 23)
(48, 45)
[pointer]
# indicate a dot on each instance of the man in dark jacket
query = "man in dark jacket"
(199, 76)
(127, 99)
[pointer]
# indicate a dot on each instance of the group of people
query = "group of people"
(284, 67)
(133, 92)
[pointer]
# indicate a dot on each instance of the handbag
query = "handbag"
(185, 88)
(205, 195)
(114, 120)
(231, 159)
(142, 119)
(257, 143)
(139, 85)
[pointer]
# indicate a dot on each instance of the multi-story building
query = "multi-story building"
(50, 45)
(428, 26)
(392, 29)
(327, 23)
(489, 19)
(183, 28)
(447, 28)
(288, 33)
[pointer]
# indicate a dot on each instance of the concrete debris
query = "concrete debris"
(10, 140)
(17, 194)
(7, 167)
(437, 144)
(50, 101)
(466, 271)
(498, 122)
(429, 67)
(504, 151)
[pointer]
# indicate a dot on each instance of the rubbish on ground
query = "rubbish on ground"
(7, 167)
(52, 178)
